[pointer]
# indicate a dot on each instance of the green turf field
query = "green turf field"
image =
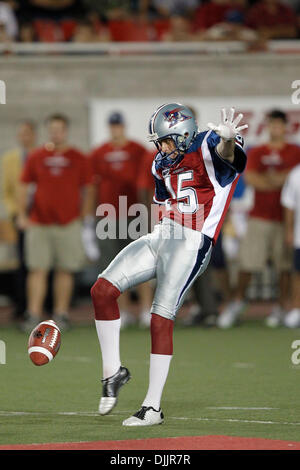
(246, 367)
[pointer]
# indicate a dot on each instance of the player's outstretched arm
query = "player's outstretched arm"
(227, 130)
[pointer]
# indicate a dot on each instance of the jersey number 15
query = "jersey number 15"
(186, 197)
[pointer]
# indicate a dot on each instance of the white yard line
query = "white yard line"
(58, 413)
(240, 408)
(234, 420)
(179, 418)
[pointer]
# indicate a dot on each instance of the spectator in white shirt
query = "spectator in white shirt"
(290, 199)
(8, 21)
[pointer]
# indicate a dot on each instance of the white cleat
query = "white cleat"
(275, 318)
(292, 318)
(110, 390)
(146, 416)
(107, 404)
(231, 314)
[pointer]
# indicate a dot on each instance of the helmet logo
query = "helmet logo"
(174, 116)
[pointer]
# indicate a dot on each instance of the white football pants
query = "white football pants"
(173, 254)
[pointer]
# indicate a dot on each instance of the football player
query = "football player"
(195, 176)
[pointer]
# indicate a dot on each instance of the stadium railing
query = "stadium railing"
(137, 48)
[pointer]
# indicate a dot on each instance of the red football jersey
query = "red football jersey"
(116, 171)
(196, 191)
(59, 177)
(261, 159)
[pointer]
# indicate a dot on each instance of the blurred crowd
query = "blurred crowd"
(90, 21)
(50, 194)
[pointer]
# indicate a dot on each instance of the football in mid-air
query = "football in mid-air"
(44, 342)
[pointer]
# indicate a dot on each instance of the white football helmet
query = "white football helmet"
(174, 121)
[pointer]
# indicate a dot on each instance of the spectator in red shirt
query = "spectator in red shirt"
(117, 165)
(267, 168)
(90, 29)
(223, 20)
(63, 194)
(272, 19)
(218, 11)
(210, 14)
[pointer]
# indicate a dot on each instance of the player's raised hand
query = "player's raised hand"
(229, 127)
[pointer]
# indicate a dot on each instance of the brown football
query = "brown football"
(44, 342)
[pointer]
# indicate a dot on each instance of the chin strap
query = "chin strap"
(163, 158)
(160, 157)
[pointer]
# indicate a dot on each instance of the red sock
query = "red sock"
(161, 335)
(104, 295)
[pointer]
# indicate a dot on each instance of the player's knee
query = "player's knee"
(103, 289)
(104, 295)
